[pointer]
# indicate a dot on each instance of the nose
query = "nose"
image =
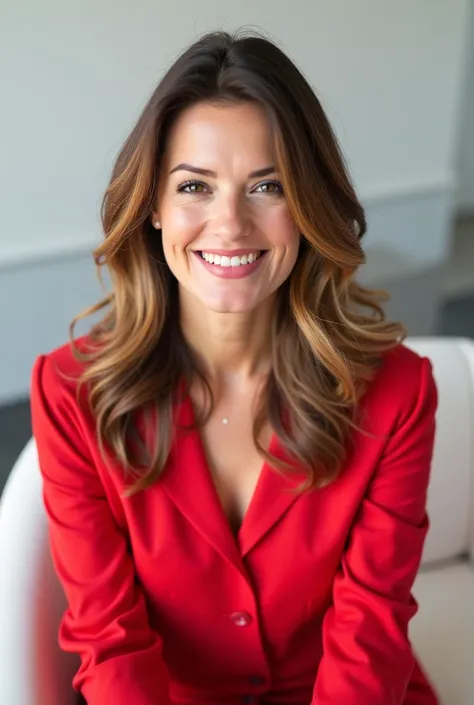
(230, 218)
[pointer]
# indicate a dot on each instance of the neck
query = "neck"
(229, 346)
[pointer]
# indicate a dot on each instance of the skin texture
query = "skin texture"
(228, 210)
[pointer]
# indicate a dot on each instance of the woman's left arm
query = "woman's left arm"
(367, 657)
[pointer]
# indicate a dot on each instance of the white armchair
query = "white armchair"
(443, 631)
(33, 671)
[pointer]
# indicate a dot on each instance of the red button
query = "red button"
(241, 619)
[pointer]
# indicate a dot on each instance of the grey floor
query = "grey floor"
(456, 318)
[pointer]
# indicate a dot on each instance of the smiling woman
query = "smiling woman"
(236, 457)
(232, 224)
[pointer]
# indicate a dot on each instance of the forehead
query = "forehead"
(220, 131)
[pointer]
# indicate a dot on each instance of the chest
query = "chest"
(180, 535)
(234, 462)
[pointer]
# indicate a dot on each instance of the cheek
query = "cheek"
(281, 229)
(180, 227)
(188, 218)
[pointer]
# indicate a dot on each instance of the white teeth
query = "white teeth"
(235, 261)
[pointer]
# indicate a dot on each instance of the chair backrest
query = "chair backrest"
(451, 494)
(33, 670)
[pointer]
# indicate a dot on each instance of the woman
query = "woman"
(236, 458)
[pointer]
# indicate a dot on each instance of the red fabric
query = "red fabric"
(310, 603)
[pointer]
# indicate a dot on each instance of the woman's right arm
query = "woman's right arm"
(106, 621)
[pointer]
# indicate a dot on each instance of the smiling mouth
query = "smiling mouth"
(235, 261)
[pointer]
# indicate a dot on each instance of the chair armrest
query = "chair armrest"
(33, 670)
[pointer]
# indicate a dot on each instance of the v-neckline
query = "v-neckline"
(188, 481)
(206, 470)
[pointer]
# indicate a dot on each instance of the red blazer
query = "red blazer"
(309, 604)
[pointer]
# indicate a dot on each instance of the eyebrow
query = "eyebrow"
(208, 172)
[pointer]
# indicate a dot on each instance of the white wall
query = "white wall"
(75, 76)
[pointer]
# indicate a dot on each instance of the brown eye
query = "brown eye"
(272, 187)
(191, 187)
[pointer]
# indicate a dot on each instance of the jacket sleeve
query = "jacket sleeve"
(106, 620)
(367, 658)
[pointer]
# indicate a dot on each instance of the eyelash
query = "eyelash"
(181, 187)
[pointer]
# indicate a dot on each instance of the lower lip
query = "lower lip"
(243, 270)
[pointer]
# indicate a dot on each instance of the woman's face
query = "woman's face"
(228, 236)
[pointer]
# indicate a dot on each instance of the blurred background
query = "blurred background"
(396, 79)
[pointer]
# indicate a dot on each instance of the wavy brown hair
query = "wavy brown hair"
(328, 333)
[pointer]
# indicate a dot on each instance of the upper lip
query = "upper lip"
(231, 253)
